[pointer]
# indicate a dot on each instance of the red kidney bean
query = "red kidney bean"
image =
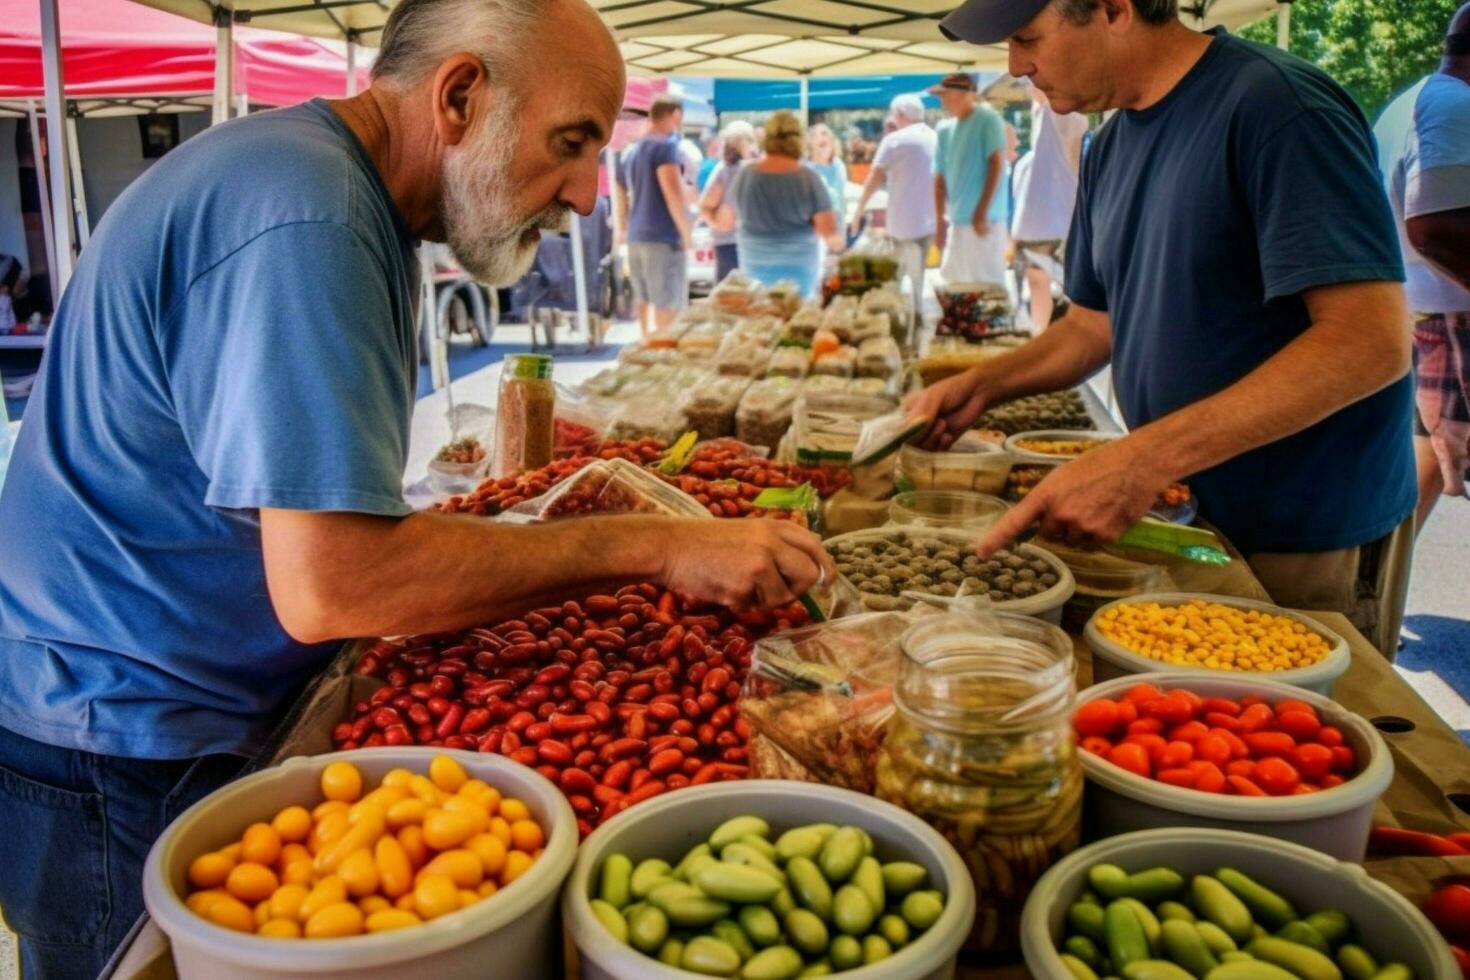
(664, 762)
(537, 732)
(554, 674)
(397, 735)
(584, 758)
(647, 791)
(677, 781)
(449, 724)
(692, 708)
(575, 780)
(475, 720)
(554, 752)
(715, 680)
(520, 721)
(617, 774)
(383, 717)
(525, 755)
(510, 742)
(682, 727)
(490, 742)
(600, 711)
(374, 740)
(549, 771)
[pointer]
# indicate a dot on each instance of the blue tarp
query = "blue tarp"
(873, 91)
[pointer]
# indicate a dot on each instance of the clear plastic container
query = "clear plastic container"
(981, 748)
(946, 508)
(840, 363)
(789, 362)
(980, 472)
(1051, 445)
(765, 411)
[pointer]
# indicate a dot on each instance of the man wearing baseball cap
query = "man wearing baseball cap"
(969, 181)
(1234, 257)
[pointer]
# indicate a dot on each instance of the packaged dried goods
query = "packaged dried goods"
(879, 357)
(840, 317)
(973, 310)
(826, 384)
(896, 307)
(328, 868)
(736, 293)
(789, 362)
(884, 388)
(780, 299)
(641, 355)
(525, 415)
(981, 747)
(840, 363)
(869, 268)
(884, 435)
(1055, 410)
(948, 356)
(826, 424)
(888, 562)
(765, 411)
(650, 416)
(805, 321)
(609, 486)
(983, 469)
(868, 326)
(821, 697)
(743, 356)
(709, 406)
(702, 341)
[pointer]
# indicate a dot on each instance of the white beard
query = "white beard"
(490, 242)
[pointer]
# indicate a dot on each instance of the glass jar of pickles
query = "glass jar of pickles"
(982, 749)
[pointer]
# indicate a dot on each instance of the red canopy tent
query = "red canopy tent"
(117, 49)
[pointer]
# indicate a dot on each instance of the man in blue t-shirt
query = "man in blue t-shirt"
(1233, 255)
(207, 490)
(654, 213)
(970, 185)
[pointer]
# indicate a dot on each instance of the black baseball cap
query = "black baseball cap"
(960, 81)
(989, 21)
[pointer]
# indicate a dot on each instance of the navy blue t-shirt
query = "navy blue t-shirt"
(648, 213)
(1200, 221)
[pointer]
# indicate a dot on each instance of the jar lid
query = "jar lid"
(536, 367)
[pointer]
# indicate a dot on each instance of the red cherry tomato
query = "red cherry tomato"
(1223, 706)
(1127, 712)
(1329, 736)
(1170, 711)
(1176, 754)
(1449, 909)
(1256, 718)
(1292, 704)
(1298, 724)
(1208, 777)
(1177, 777)
(1145, 726)
(1132, 757)
(1097, 745)
(1242, 786)
(1188, 732)
(1240, 767)
(1195, 702)
(1264, 744)
(1302, 789)
(1139, 693)
(1250, 699)
(1152, 744)
(1217, 719)
(1332, 779)
(1098, 717)
(1213, 749)
(1312, 760)
(1462, 958)
(1276, 776)
(1343, 759)
(1238, 749)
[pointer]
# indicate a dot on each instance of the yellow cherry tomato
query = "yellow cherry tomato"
(342, 781)
(298, 873)
(461, 866)
(444, 829)
(479, 819)
(526, 835)
(405, 902)
(232, 851)
(327, 830)
(250, 882)
(210, 870)
(199, 902)
(500, 827)
(517, 863)
(389, 919)
(231, 913)
(491, 851)
(423, 787)
(467, 898)
(280, 929)
(412, 839)
(329, 891)
(395, 872)
(364, 833)
(384, 796)
(513, 809)
(373, 903)
(261, 844)
(447, 774)
(291, 853)
(320, 811)
(335, 920)
(359, 873)
(285, 902)
(488, 888)
(408, 811)
(482, 793)
(435, 895)
(262, 913)
(398, 777)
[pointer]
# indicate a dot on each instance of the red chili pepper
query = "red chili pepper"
(1412, 843)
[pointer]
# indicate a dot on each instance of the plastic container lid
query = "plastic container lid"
(946, 508)
(1364, 787)
(1053, 435)
(1319, 676)
(1386, 923)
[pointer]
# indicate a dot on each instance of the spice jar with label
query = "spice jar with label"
(525, 414)
(981, 748)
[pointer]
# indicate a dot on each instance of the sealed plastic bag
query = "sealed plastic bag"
(743, 354)
(789, 362)
(765, 411)
(709, 406)
(839, 363)
(610, 486)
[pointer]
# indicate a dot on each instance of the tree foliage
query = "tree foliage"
(1373, 48)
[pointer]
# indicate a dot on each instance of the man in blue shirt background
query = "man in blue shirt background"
(1234, 257)
(654, 213)
(208, 488)
(970, 185)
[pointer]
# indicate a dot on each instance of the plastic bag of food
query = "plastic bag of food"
(866, 326)
(885, 435)
(789, 362)
(825, 426)
(765, 411)
(743, 355)
(609, 486)
(736, 293)
(709, 405)
(841, 317)
(582, 420)
(654, 415)
(840, 363)
(879, 357)
(885, 388)
(973, 309)
(889, 302)
(805, 321)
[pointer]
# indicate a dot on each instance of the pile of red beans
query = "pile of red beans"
(616, 698)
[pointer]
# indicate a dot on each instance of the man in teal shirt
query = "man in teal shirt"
(969, 181)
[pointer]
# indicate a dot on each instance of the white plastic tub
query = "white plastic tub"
(1052, 435)
(668, 826)
(1387, 925)
(1113, 660)
(1334, 821)
(512, 935)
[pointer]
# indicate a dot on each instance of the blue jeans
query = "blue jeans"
(727, 260)
(74, 831)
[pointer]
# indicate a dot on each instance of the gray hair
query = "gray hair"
(421, 34)
(1149, 11)
(909, 108)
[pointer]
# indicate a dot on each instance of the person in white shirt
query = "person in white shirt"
(905, 162)
(1046, 192)
(1424, 152)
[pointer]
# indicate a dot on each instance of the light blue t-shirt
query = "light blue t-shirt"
(834, 175)
(963, 158)
(238, 334)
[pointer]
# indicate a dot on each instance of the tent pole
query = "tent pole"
(63, 229)
(224, 67)
(44, 194)
(805, 102)
(1283, 24)
(351, 67)
(579, 275)
(79, 190)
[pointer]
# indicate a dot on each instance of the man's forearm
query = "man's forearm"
(361, 575)
(1334, 363)
(992, 183)
(673, 190)
(940, 201)
(1067, 353)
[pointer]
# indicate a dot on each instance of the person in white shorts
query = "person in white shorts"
(970, 173)
(905, 162)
